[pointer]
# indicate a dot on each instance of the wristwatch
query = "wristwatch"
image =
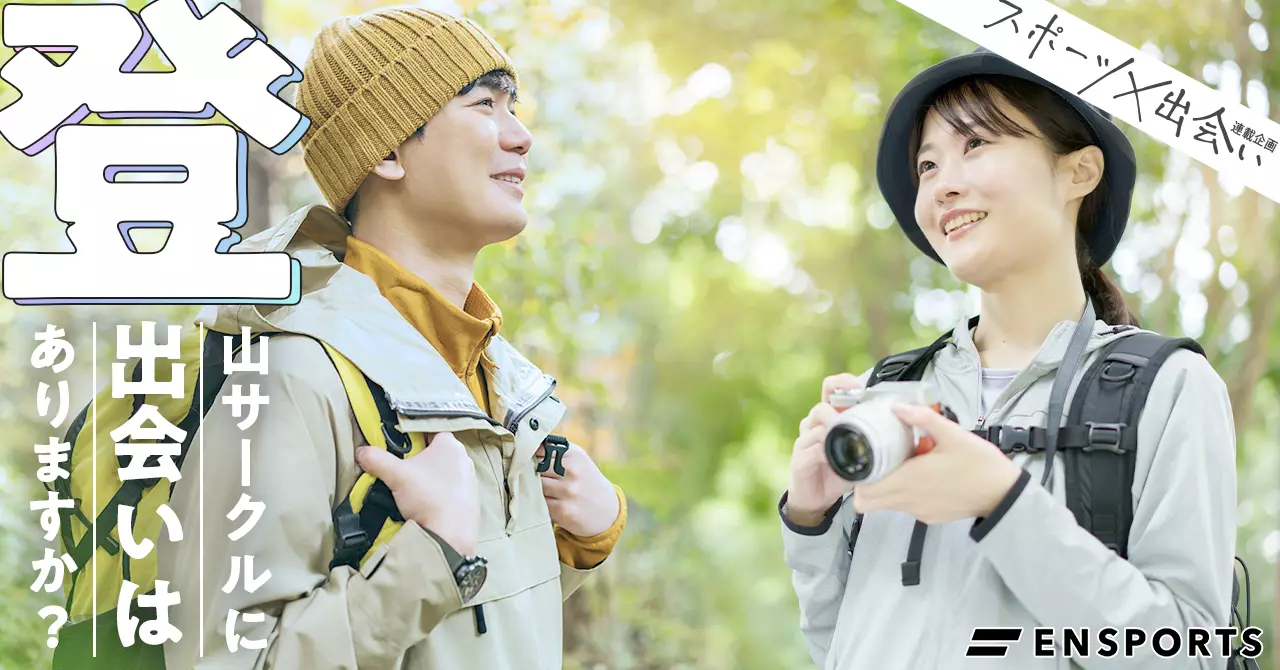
(468, 571)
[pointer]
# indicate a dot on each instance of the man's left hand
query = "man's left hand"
(583, 501)
(963, 476)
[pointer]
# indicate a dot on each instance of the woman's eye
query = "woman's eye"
(924, 165)
(487, 101)
(970, 144)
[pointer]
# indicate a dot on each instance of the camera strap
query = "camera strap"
(908, 366)
(1071, 361)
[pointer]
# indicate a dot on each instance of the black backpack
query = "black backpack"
(1098, 443)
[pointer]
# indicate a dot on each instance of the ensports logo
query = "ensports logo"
(1110, 642)
(992, 642)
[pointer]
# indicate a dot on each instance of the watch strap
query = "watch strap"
(451, 555)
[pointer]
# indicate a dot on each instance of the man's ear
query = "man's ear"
(1083, 169)
(390, 167)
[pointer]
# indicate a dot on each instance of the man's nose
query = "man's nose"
(515, 136)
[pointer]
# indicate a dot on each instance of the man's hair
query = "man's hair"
(498, 80)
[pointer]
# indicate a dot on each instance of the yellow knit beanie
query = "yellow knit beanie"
(373, 79)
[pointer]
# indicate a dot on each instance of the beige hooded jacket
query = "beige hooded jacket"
(402, 608)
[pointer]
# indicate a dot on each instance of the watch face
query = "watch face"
(471, 578)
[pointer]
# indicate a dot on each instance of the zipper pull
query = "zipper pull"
(981, 419)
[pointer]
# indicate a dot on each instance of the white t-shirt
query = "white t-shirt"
(993, 383)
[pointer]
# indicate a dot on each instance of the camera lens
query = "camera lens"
(849, 453)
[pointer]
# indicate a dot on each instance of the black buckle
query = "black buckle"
(555, 447)
(1014, 440)
(353, 542)
(1104, 437)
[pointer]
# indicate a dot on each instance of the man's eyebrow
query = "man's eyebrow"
(497, 85)
(495, 89)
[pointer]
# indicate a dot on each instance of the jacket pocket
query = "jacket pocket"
(518, 562)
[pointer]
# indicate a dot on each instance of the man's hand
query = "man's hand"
(436, 488)
(582, 502)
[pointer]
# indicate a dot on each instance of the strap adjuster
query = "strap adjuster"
(893, 368)
(1104, 437)
(910, 573)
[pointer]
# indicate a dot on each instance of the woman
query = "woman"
(1022, 190)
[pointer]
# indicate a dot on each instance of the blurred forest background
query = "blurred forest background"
(706, 243)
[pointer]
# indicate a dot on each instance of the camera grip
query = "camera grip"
(926, 443)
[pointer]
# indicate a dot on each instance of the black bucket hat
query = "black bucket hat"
(894, 167)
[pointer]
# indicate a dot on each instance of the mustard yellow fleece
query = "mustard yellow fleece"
(461, 336)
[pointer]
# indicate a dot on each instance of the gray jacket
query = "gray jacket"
(1036, 566)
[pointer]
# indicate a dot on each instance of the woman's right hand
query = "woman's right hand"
(814, 486)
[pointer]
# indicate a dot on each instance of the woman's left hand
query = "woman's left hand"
(963, 476)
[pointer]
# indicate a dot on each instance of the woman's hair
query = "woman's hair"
(1063, 129)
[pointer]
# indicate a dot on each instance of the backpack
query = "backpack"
(364, 520)
(1098, 442)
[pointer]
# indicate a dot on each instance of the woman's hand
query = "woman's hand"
(814, 486)
(964, 476)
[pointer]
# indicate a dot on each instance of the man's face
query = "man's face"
(463, 176)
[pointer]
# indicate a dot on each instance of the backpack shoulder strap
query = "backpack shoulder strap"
(1105, 409)
(360, 520)
(909, 366)
(898, 367)
(1108, 406)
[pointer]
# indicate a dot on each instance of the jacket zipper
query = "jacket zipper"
(1008, 391)
(982, 417)
(518, 417)
(446, 413)
(512, 427)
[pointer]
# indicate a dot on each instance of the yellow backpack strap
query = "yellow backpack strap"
(368, 517)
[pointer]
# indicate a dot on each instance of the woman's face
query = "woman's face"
(991, 206)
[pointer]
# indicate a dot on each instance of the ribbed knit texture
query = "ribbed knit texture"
(372, 79)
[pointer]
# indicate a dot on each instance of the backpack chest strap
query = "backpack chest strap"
(1089, 437)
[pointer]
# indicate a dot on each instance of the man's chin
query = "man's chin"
(504, 228)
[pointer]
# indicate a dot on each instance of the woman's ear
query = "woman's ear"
(390, 167)
(1083, 168)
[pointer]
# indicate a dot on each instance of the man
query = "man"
(414, 140)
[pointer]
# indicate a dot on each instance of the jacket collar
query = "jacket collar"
(961, 354)
(343, 307)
